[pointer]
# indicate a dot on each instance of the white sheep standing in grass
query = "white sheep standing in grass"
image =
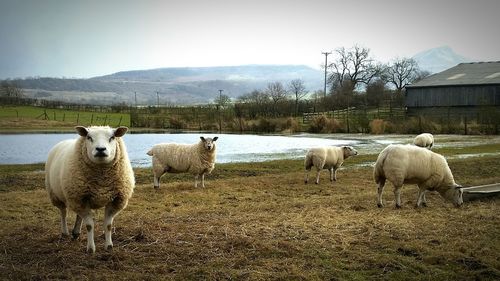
(197, 159)
(424, 140)
(328, 158)
(410, 164)
(89, 173)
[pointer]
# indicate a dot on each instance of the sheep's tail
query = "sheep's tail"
(150, 152)
(378, 170)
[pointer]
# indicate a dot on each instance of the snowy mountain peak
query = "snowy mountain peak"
(439, 59)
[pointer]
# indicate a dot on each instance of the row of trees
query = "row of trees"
(355, 79)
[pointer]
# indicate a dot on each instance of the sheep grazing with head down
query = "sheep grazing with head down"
(197, 159)
(424, 140)
(328, 158)
(410, 164)
(89, 173)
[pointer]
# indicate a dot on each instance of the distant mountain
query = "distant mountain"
(188, 85)
(439, 59)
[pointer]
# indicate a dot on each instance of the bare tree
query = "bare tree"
(277, 93)
(222, 100)
(10, 89)
(298, 89)
(354, 65)
(401, 72)
(421, 74)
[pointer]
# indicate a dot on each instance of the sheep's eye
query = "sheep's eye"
(111, 138)
(89, 138)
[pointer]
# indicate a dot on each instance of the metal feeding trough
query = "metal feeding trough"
(481, 191)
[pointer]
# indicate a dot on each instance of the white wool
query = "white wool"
(76, 180)
(424, 140)
(410, 164)
(329, 158)
(183, 158)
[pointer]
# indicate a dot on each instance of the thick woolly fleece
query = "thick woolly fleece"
(73, 180)
(414, 165)
(182, 158)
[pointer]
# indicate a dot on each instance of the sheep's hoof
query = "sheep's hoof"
(305, 182)
(156, 186)
(109, 248)
(380, 205)
(90, 251)
(398, 206)
(75, 235)
(424, 204)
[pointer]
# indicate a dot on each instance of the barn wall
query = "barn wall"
(480, 95)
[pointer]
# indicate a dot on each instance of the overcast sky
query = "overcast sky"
(88, 38)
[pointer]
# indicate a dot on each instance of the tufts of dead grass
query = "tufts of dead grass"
(258, 221)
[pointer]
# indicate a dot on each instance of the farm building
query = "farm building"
(466, 90)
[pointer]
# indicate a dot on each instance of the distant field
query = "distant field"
(26, 117)
(258, 221)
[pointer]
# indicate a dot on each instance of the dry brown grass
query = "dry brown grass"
(257, 221)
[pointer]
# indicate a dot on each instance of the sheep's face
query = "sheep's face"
(209, 143)
(458, 198)
(455, 195)
(100, 142)
(349, 151)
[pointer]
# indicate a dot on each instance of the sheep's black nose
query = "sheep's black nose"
(100, 149)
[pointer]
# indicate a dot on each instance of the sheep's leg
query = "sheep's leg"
(331, 174)
(424, 199)
(64, 225)
(421, 201)
(156, 182)
(77, 228)
(109, 214)
(157, 173)
(203, 180)
(317, 175)
(306, 179)
(380, 190)
(196, 180)
(397, 195)
(88, 218)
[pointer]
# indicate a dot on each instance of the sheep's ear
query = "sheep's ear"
(120, 131)
(215, 138)
(82, 131)
(202, 138)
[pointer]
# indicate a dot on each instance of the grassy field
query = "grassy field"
(258, 221)
(37, 118)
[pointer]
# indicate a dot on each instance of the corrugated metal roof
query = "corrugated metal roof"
(475, 73)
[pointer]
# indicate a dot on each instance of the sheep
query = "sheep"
(89, 173)
(329, 158)
(197, 159)
(424, 140)
(410, 164)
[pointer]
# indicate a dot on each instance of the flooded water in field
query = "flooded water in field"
(33, 148)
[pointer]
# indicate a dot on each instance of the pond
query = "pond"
(33, 148)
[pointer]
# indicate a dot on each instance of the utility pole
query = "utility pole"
(135, 95)
(220, 109)
(326, 66)
(157, 99)
(220, 96)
